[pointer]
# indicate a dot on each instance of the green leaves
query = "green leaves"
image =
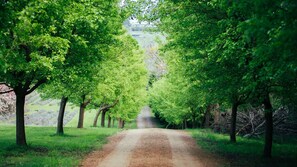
(123, 77)
(226, 52)
(29, 48)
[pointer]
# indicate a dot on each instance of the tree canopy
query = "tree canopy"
(230, 52)
(62, 44)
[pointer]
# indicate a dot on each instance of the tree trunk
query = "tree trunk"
(123, 124)
(96, 117)
(103, 118)
(60, 130)
(120, 123)
(113, 122)
(82, 107)
(81, 116)
(109, 121)
(193, 119)
(20, 120)
(207, 116)
(268, 127)
(233, 123)
(216, 118)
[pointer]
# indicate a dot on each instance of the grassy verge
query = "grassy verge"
(47, 149)
(247, 152)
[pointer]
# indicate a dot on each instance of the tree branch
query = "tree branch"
(8, 91)
(27, 84)
(4, 83)
(87, 102)
(40, 82)
(107, 107)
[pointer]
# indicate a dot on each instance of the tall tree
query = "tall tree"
(122, 80)
(242, 51)
(30, 49)
(271, 31)
(92, 27)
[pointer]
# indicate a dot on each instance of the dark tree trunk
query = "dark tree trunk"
(81, 116)
(268, 127)
(109, 121)
(113, 123)
(103, 118)
(20, 120)
(123, 124)
(21, 91)
(233, 123)
(216, 119)
(96, 117)
(60, 130)
(193, 121)
(207, 116)
(82, 107)
(120, 123)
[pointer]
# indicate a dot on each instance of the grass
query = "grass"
(247, 152)
(47, 149)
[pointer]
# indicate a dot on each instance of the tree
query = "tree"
(30, 49)
(238, 51)
(122, 81)
(91, 34)
(36, 37)
(60, 129)
(174, 97)
(271, 31)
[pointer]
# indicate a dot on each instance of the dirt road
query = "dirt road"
(151, 147)
(145, 118)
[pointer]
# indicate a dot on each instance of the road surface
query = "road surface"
(151, 147)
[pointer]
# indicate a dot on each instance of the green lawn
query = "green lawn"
(47, 149)
(247, 152)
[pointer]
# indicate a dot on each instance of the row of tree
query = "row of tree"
(76, 51)
(228, 53)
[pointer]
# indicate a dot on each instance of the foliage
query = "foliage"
(91, 34)
(30, 48)
(123, 77)
(233, 53)
(63, 44)
(172, 97)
